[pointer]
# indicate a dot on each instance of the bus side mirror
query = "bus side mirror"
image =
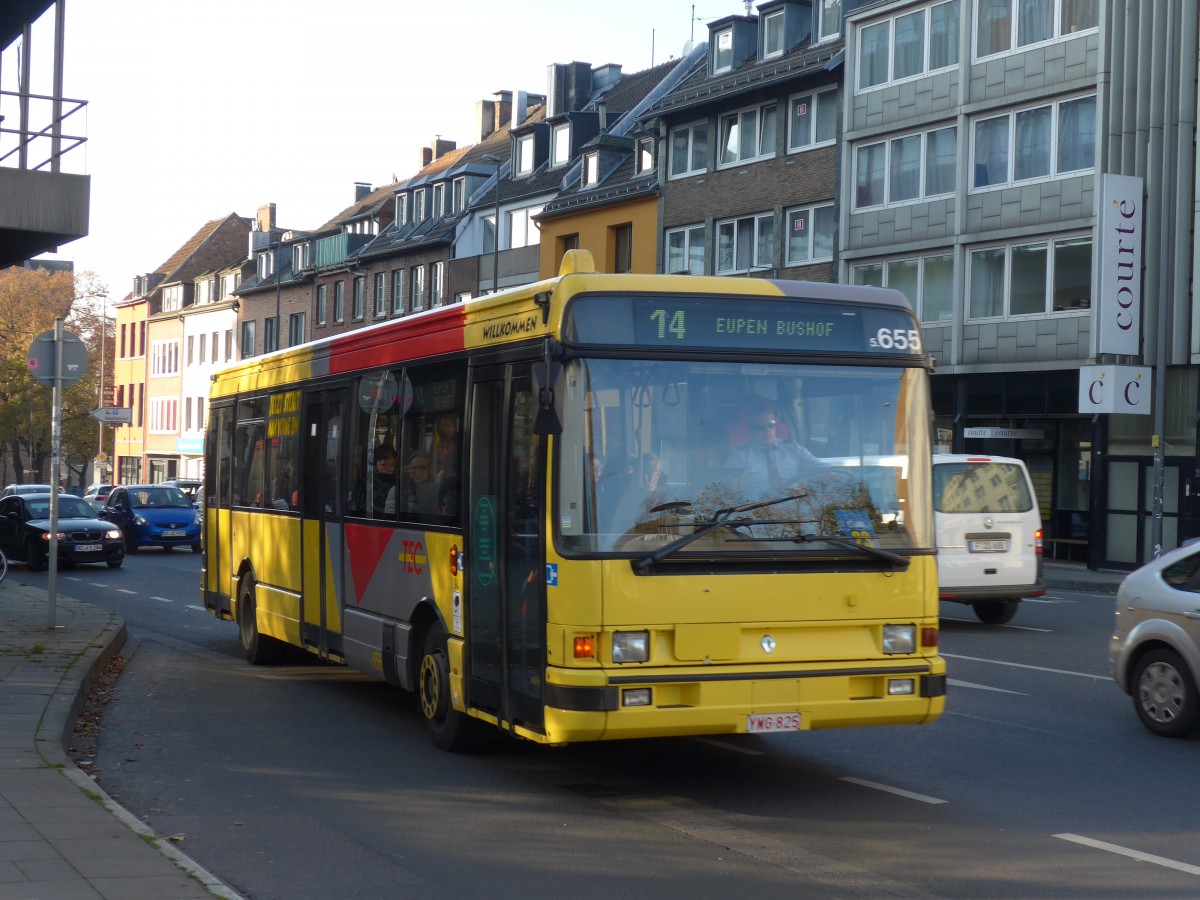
(546, 375)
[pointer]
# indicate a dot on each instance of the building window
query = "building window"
(745, 244)
(927, 282)
(489, 234)
(458, 193)
(228, 347)
(266, 264)
(416, 282)
(523, 229)
(722, 54)
(357, 304)
(1039, 142)
(322, 303)
(295, 329)
(164, 358)
(191, 347)
(270, 334)
(812, 119)
(164, 415)
(1002, 25)
(622, 236)
(247, 339)
(437, 283)
(418, 207)
(809, 235)
(380, 295)
(397, 291)
(772, 32)
(829, 19)
(905, 46)
(644, 159)
(301, 256)
(689, 150)
(439, 200)
(906, 168)
(748, 135)
(1031, 278)
(591, 169)
(401, 209)
(339, 302)
(685, 250)
(560, 145)
(172, 298)
(525, 155)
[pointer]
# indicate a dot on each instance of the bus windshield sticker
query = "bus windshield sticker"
(484, 537)
(377, 392)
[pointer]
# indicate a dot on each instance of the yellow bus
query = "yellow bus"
(595, 507)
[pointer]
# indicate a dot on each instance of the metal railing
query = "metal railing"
(26, 142)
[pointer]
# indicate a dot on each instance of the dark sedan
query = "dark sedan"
(82, 538)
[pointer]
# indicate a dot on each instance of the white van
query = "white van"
(989, 533)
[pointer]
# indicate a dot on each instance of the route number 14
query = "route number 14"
(669, 323)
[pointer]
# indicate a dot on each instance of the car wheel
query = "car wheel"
(33, 557)
(115, 563)
(1164, 694)
(995, 612)
(448, 728)
(258, 649)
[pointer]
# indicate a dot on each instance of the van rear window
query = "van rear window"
(980, 487)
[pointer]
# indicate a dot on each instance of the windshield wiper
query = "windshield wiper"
(900, 562)
(720, 518)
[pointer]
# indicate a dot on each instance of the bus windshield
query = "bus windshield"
(782, 454)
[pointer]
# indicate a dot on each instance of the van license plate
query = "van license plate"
(987, 546)
(758, 724)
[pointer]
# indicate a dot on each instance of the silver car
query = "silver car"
(1154, 654)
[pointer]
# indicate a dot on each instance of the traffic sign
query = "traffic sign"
(41, 359)
(113, 415)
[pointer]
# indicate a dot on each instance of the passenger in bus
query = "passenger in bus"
(372, 501)
(768, 465)
(445, 448)
(420, 489)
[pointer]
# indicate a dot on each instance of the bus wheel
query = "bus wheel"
(259, 649)
(996, 612)
(448, 728)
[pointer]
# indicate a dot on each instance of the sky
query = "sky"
(196, 110)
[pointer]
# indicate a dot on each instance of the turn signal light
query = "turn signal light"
(585, 646)
(454, 560)
(929, 637)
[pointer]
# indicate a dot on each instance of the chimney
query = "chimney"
(485, 117)
(442, 147)
(521, 108)
(361, 191)
(266, 218)
(503, 109)
(426, 156)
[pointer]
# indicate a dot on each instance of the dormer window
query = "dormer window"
(204, 289)
(591, 168)
(560, 145)
(172, 298)
(301, 256)
(439, 201)
(722, 51)
(402, 209)
(829, 19)
(772, 32)
(525, 154)
(266, 264)
(458, 193)
(644, 155)
(418, 211)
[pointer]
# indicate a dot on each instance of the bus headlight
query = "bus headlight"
(630, 646)
(899, 638)
(901, 687)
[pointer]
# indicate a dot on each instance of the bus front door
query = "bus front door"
(321, 497)
(506, 628)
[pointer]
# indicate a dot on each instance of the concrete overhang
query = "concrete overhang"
(40, 211)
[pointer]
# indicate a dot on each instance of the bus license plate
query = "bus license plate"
(89, 548)
(757, 724)
(987, 546)
(174, 533)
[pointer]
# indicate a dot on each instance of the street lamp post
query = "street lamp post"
(497, 162)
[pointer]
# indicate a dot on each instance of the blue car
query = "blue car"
(153, 515)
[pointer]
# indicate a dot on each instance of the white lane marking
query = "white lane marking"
(724, 746)
(900, 792)
(197, 608)
(162, 599)
(1048, 598)
(125, 591)
(98, 584)
(1132, 854)
(72, 578)
(1013, 665)
(953, 682)
(1015, 627)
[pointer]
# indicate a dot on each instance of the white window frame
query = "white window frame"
(1014, 45)
(925, 66)
(689, 237)
(339, 302)
(722, 52)
(294, 319)
(523, 229)
(380, 295)
(418, 207)
(590, 172)
(773, 38)
(889, 146)
(164, 358)
(821, 99)
(172, 298)
(808, 214)
(1011, 116)
(266, 264)
(458, 193)
(692, 129)
(402, 209)
(560, 145)
(301, 256)
(644, 155)
(735, 227)
(438, 200)
(437, 284)
(358, 301)
(164, 415)
(765, 138)
(1050, 247)
(322, 303)
(397, 292)
(827, 20)
(883, 269)
(416, 285)
(524, 156)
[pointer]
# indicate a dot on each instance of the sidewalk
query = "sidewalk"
(61, 836)
(1064, 576)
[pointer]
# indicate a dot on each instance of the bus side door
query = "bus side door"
(321, 498)
(506, 564)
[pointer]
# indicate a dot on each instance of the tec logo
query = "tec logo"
(412, 557)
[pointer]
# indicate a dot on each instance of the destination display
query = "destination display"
(740, 322)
